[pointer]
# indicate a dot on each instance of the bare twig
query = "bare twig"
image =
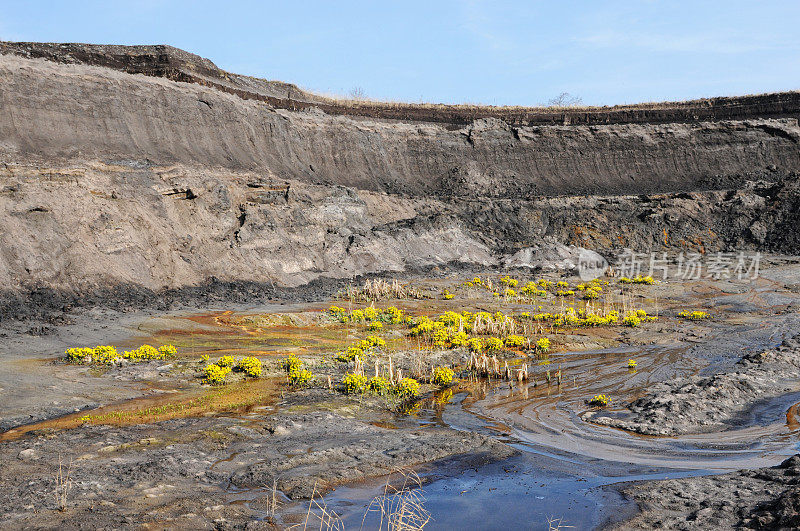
(63, 482)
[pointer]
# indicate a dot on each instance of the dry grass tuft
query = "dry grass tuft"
(555, 524)
(401, 508)
(378, 289)
(63, 481)
(318, 513)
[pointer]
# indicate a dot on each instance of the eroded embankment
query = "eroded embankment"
(97, 113)
(766, 498)
(178, 65)
(129, 184)
(707, 403)
(123, 235)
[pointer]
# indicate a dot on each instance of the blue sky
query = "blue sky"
(492, 52)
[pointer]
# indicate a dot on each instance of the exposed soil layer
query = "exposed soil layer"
(141, 185)
(707, 403)
(178, 65)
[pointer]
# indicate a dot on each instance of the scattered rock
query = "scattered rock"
(29, 454)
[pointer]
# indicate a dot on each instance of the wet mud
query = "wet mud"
(488, 452)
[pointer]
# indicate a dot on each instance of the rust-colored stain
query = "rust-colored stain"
(236, 397)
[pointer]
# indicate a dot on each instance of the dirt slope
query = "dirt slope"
(117, 179)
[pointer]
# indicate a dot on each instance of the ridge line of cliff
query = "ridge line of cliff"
(178, 65)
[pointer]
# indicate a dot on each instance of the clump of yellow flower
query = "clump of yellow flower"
(475, 344)
(107, 354)
(299, 377)
(370, 314)
(508, 281)
(215, 374)
(600, 401)
(378, 385)
(354, 384)
(442, 376)
(250, 365)
(493, 343)
(291, 363)
(514, 341)
(695, 315)
(638, 279)
(543, 344)
(407, 388)
(226, 361)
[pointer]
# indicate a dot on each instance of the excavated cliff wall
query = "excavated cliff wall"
(116, 179)
(179, 65)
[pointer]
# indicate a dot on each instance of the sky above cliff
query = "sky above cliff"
(493, 52)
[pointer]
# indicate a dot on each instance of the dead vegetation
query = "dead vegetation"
(378, 289)
(400, 507)
(63, 484)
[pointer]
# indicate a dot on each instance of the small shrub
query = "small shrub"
(250, 365)
(632, 320)
(442, 376)
(600, 401)
(543, 344)
(291, 363)
(353, 384)
(441, 338)
(493, 343)
(372, 342)
(299, 377)
(215, 374)
(375, 325)
(592, 293)
(631, 364)
(167, 350)
(79, 355)
(105, 354)
(508, 281)
(338, 313)
(204, 358)
(696, 315)
(108, 354)
(392, 315)
(378, 385)
(407, 388)
(475, 344)
(446, 295)
(638, 279)
(226, 361)
(514, 341)
(459, 339)
(350, 354)
(145, 352)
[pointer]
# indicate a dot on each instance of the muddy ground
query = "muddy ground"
(719, 393)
